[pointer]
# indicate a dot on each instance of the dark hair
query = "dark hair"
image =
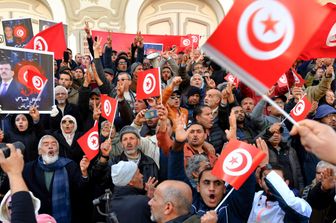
(3, 62)
(196, 123)
(121, 57)
(275, 166)
(198, 111)
(201, 173)
(66, 72)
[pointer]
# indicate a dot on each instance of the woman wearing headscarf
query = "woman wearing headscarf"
(67, 138)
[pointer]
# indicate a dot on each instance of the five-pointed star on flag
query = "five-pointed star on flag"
(233, 160)
(93, 141)
(269, 24)
(147, 83)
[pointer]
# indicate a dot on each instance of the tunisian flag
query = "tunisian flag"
(89, 142)
(35, 80)
(323, 43)
(236, 162)
(109, 107)
(232, 79)
(51, 39)
(299, 81)
(282, 82)
(149, 84)
(259, 40)
(301, 109)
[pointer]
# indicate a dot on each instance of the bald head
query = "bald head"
(171, 199)
(177, 192)
(213, 98)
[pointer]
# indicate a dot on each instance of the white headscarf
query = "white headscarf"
(69, 137)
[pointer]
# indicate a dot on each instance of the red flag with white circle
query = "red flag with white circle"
(259, 40)
(89, 142)
(236, 162)
(109, 107)
(232, 79)
(323, 43)
(301, 109)
(299, 81)
(282, 82)
(51, 39)
(186, 41)
(34, 80)
(149, 84)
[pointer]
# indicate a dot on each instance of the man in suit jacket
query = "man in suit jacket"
(10, 89)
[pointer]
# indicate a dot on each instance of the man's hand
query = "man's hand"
(96, 111)
(13, 165)
(140, 117)
(328, 179)
(209, 217)
(180, 134)
(150, 186)
(34, 113)
(210, 82)
(177, 80)
(261, 144)
(87, 29)
(84, 165)
(317, 138)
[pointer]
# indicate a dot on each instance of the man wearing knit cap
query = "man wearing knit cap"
(127, 196)
(192, 101)
(327, 115)
(135, 69)
(130, 142)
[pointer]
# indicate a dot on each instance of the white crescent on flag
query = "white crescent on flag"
(299, 108)
(331, 39)
(107, 107)
(40, 44)
(238, 162)
(265, 29)
(149, 83)
(93, 141)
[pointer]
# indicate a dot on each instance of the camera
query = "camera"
(6, 150)
(150, 114)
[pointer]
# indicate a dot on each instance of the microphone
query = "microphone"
(17, 145)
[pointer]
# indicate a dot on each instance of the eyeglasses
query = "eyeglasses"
(123, 79)
(67, 121)
(122, 63)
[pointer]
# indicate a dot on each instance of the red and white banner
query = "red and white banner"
(236, 162)
(186, 41)
(51, 39)
(122, 41)
(301, 109)
(149, 84)
(299, 81)
(35, 80)
(259, 40)
(89, 142)
(232, 79)
(282, 82)
(109, 107)
(323, 43)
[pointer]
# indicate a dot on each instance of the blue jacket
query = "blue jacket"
(235, 209)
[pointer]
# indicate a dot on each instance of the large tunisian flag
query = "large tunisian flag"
(259, 40)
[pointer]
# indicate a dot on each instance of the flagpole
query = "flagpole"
(110, 131)
(39, 95)
(224, 199)
(287, 116)
(293, 108)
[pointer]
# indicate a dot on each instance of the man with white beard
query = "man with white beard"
(58, 182)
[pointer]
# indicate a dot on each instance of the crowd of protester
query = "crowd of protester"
(158, 167)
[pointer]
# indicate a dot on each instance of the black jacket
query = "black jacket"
(129, 205)
(34, 178)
